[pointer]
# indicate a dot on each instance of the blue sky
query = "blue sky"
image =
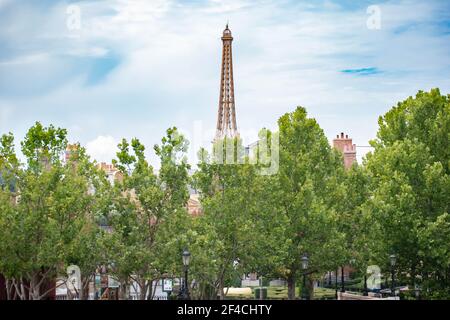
(136, 67)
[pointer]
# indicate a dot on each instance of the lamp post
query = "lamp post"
(393, 260)
(336, 284)
(365, 292)
(305, 263)
(186, 261)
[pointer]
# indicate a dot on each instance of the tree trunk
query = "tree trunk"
(123, 290)
(8, 284)
(153, 292)
(84, 292)
(291, 287)
(143, 289)
(207, 291)
(23, 295)
(150, 290)
(25, 291)
(221, 293)
(35, 287)
(17, 290)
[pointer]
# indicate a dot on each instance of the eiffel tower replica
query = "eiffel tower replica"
(226, 116)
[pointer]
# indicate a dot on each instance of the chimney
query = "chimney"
(345, 145)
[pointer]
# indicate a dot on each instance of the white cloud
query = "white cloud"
(102, 148)
(284, 56)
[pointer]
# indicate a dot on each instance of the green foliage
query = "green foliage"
(147, 209)
(302, 197)
(425, 118)
(55, 213)
(226, 229)
(46, 212)
(8, 158)
(43, 146)
(411, 188)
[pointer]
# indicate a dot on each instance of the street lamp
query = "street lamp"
(186, 261)
(305, 263)
(186, 258)
(393, 260)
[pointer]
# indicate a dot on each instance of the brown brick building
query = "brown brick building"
(345, 144)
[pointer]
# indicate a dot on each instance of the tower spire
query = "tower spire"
(226, 117)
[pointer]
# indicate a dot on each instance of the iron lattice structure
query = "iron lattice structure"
(226, 117)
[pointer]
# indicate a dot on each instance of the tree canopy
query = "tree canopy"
(262, 209)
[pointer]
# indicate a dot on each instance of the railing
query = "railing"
(351, 296)
(136, 297)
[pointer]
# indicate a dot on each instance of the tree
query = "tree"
(409, 170)
(43, 146)
(8, 175)
(302, 197)
(355, 223)
(225, 231)
(88, 248)
(50, 207)
(425, 118)
(144, 205)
